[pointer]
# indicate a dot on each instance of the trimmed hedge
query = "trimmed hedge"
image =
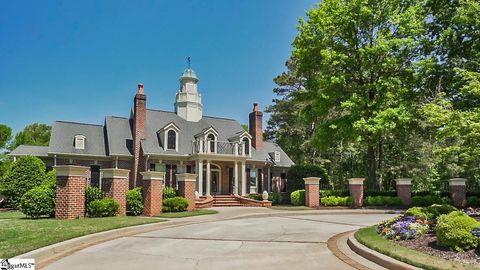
(455, 230)
(24, 174)
(175, 204)
(383, 201)
(107, 207)
(92, 194)
(383, 193)
(38, 202)
(430, 212)
(336, 201)
(253, 196)
(429, 200)
(297, 197)
(135, 201)
(336, 193)
(275, 197)
(169, 192)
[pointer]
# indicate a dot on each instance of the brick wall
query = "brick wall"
(152, 197)
(255, 125)
(117, 189)
(70, 197)
(186, 189)
(139, 118)
(312, 195)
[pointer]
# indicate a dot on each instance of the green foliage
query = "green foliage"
(5, 135)
(338, 193)
(455, 230)
(257, 197)
(169, 192)
(107, 207)
(297, 197)
(275, 197)
(429, 200)
(430, 212)
(389, 193)
(38, 202)
(175, 204)
(383, 201)
(24, 174)
(296, 173)
(336, 201)
(50, 179)
(135, 201)
(473, 201)
(92, 194)
(34, 134)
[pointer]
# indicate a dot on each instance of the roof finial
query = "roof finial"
(189, 62)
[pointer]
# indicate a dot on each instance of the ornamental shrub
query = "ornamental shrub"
(455, 230)
(416, 212)
(92, 194)
(169, 192)
(430, 212)
(336, 201)
(38, 202)
(384, 193)
(338, 193)
(24, 174)
(298, 197)
(135, 201)
(429, 200)
(175, 204)
(473, 201)
(383, 201)
(275, 198)
(50, 179)
(254, 196)
(107, 207)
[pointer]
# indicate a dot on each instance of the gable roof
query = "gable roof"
(62, 139)
(119, 136)
(32, 150)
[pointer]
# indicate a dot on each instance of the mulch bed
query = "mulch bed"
(428, 244)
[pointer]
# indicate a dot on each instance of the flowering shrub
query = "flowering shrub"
(403, 227)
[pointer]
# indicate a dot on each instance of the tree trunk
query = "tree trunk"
(380, 161)
(372, 166)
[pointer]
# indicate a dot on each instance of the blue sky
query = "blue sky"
(81, 60)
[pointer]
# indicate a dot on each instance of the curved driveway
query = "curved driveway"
(277, 242)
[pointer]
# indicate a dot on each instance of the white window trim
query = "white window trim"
(249, 145)
(166, 139)
(76, 141)
(276, 156)
(215, 140)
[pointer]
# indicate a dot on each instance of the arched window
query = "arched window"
(172, 140)
(246, 146)
(79, 142)
(211, 138)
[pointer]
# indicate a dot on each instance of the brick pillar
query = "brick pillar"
(186, 188)
(312, 191)
(458, 191)
(115, 185)
(404, 190)
(152, 193)
(255, 122)
(355, 185)
(70, 191)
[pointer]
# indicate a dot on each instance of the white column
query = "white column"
(244, 179)
(200, 177)
(209, 174)
(235, 177)
(269, 180)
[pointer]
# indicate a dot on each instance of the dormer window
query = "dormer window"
(79, 142)
(246, 146)
(211, 140)
(171, 140)
(277, 156)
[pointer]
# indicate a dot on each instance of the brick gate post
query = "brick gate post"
(312, 191)
(152, 192)
(186, 188)
(404, 190)
(115, 185)
(458, 191)
(355, 185)
(70, 191)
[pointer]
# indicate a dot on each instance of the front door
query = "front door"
(215, 184)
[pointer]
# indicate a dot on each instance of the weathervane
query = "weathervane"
(189, 62)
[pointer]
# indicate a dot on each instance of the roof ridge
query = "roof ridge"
(121, 117)
(80, 123)
(223, 118)
(156, 110)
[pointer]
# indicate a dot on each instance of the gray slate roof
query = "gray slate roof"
(33, 150)
(62, 139)
(119, 136)
(267, 153)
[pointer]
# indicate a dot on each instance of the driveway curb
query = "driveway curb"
(377, 257)
(49, 254)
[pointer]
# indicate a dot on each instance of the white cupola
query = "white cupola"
(188, 103)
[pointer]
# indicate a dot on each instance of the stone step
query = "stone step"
(228, 205)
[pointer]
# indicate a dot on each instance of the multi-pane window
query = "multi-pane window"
(246, 146)
(171, 140)
(211, 138)
(79, 142)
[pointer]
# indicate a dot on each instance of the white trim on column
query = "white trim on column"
(209, 178)
(235, 179)
(244, 179)
(200, 177)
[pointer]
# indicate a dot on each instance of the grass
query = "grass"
(369, 237)
(290, 207)
(19, 235)
(196, 212)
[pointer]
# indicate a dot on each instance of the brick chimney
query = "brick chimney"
(255, 123)
(139, 118)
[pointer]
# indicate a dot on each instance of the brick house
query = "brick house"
(232, 161)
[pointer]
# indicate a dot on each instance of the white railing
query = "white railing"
(217, 147)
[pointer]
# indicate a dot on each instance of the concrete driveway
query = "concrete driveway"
(278, 242)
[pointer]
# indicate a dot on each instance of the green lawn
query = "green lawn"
(196, 212)
(371, 239)
(290, 207)
(19, 235)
